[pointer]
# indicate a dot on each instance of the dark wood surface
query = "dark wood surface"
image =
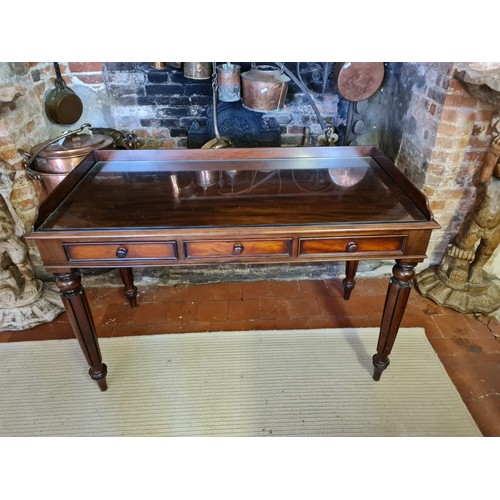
(269, 205)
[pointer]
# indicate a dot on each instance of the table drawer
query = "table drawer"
(164, 250)
(355, 245)
(237, 248)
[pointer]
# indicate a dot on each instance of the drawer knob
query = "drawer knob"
(352, 247)
(121, 253)
(238, 249)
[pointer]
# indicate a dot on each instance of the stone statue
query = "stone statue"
(18, 285)
(24, 300)
(460, 281)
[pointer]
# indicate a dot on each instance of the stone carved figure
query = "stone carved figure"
(24, 300)
(460, 281)
(482, 224)
(18, 284)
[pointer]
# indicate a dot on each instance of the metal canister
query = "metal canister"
(197, 70)
(228, 82)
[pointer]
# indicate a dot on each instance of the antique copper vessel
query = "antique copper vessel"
(264, 88)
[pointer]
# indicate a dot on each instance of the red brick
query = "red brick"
(456, 86)
(445, 156)
(90, 79)
(479, 141)
(456, 114)
(435, 168)
(455, 129)
(484, 115)
(474, 156)
(460, 100)
(85, 67)
(447, 143)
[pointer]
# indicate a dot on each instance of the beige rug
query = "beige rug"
(258, 383)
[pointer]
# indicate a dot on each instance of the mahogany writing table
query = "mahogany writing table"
(139, 208)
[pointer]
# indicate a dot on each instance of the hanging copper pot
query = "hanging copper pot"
(264, 88)
(197, 70)
(62, 105)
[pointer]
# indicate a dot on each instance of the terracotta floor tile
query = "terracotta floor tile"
(299, 307)
(422, 305)
(331, 306)
(212, 310)
(123, 314)
(482, 329)
(170, 293)
(243, 309)
(140, 329)
(452, 325)
(365, 305)
(228, 291)
(180, 312)
(245, 324)
(351, 321)
(464, 350)
(313, 288)
(335, 287)
(479, 386)
(292, 324)
(370, 287)
(193, 326)
(466, 345)
(109, 295)
(257, 289)
(273, 308)
(285, 288)
(421, 321)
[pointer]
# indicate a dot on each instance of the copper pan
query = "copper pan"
(357, 81)
(62, 105)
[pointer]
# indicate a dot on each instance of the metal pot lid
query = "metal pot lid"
(75, 145)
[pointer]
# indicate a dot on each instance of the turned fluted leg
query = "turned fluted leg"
(77, 307)
(129, 289)
(350, 272)
(395, 304)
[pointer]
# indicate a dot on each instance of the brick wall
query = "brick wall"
(445, 136)
(421, 117)
(160, 105)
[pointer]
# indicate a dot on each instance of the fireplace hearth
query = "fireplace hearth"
(245, 128)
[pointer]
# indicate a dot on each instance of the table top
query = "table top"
(178, 189)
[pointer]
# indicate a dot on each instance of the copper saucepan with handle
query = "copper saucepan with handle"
(62, 105)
